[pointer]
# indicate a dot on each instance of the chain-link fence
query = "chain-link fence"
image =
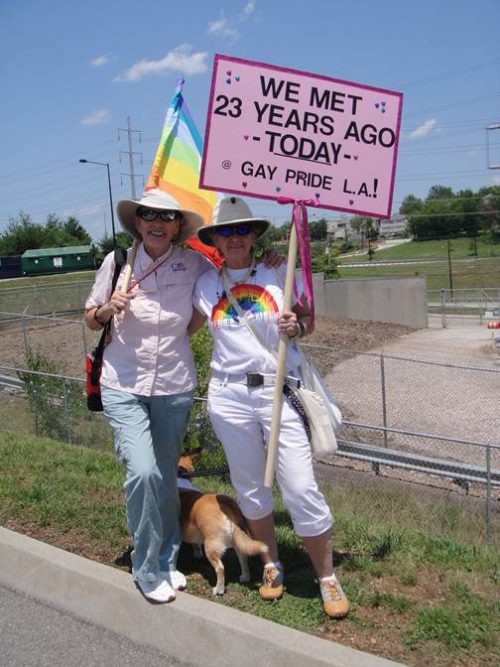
(62, 340)
(46, 299)
(456, 306)
(448, 481)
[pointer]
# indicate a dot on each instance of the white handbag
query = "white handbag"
(323, 414)
(325, 417)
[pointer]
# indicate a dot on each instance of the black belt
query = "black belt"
(254, 379)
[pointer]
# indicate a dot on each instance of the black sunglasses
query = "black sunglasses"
(149, 214)
(241, 230)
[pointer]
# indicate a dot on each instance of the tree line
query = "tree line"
(23, 234)
(445, 214)
(442, 214)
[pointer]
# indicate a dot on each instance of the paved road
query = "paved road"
(34, 634)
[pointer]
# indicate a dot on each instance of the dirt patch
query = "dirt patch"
(355, 335)
(65, 342)
(345, 337)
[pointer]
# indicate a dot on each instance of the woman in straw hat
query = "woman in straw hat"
(241, 393)
(148, 377)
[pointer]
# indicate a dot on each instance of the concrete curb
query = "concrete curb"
(190, 630)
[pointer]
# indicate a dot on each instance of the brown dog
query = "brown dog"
(215, 522)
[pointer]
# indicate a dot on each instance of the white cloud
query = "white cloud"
(223, 28)
(179, 59)
(424, 129)
(100, 61)
(97, 118)
(247, 11)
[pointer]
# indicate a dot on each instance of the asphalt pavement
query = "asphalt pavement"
(34, 634)
(59, 609)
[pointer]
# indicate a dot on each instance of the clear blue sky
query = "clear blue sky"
(72, 72)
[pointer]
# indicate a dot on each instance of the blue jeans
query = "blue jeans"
(149, 432)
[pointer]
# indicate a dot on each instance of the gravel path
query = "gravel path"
(438, 381)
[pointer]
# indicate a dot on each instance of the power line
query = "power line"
(451, 73)
(97, 151)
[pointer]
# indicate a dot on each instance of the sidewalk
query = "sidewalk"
(191, 629)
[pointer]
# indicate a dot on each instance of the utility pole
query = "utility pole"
(490, 161)
(131, 154)
(450, 275)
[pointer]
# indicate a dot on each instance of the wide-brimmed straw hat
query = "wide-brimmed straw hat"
(161, 201)
(227, 213)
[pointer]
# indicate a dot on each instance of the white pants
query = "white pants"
(241, 418)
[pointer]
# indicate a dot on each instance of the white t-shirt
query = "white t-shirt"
(149, 353)
(236, 349)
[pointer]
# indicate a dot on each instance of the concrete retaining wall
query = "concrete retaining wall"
(396, 300)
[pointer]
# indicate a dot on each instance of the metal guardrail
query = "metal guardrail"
(427, 464)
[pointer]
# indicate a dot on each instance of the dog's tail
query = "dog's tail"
(244, 543)
(241, 538)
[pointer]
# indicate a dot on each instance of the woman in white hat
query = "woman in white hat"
(148, 377)
(241, 393)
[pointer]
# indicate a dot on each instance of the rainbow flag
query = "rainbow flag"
(176, 167)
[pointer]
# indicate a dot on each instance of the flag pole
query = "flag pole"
(272, 445)
(127, 271)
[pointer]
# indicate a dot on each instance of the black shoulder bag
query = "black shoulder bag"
(94, 358)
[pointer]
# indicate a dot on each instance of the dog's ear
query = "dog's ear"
(185, 465)
(193, 454)
(188, 459)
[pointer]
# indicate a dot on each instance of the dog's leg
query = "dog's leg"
(245, 571)
(213, 556)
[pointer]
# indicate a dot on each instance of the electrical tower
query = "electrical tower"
(132, 175)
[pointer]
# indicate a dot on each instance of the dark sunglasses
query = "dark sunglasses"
(148, 215)
(241, 230)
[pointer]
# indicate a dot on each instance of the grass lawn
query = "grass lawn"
(431, 261)
(422, 599)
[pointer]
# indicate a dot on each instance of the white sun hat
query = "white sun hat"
(228, 212)
(160, 201)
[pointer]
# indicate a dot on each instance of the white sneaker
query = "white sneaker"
(158, 590)
(175, 578)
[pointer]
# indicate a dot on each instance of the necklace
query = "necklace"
(229, 282)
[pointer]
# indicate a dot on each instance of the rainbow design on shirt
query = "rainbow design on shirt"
(252, 298)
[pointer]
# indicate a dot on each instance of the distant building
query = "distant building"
(397, 225)
(57, 260)
(10, 266)
(339, 229)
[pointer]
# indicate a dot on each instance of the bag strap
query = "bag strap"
(120, 259)
(290, 394)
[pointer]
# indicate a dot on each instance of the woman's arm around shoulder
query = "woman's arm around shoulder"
(197, 321)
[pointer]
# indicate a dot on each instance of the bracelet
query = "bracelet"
(101, 324)
(300, 330)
